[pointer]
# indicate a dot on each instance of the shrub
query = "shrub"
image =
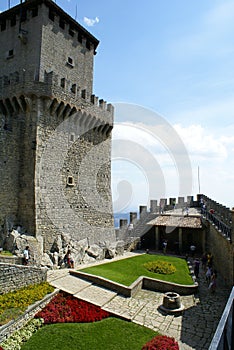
(161, 342)
(13, 304)
(6, 253)
(66, 308)
(161, 267)
(14, 342)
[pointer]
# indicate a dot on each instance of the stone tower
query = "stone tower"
(55, 135)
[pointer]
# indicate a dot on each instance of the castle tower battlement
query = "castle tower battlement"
(55, 134)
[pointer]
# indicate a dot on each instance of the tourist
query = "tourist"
(209, 273)
(192, 249)
(68, 260)
(209, 260)
(212, 285)
(196, 267)
(26, 256)
(204, 261)
(164, 246)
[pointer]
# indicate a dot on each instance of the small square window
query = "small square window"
(10, 54)
(70, 181)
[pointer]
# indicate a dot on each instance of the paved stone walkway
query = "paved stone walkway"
(193, 329)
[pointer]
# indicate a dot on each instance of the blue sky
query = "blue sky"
(174, 59)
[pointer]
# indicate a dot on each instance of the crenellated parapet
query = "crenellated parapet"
(219, 215)
(18, 86)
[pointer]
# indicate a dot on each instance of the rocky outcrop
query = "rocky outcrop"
(81, 251)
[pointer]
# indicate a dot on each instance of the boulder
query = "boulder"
(46, 261)
(95, 252)
(88, 259)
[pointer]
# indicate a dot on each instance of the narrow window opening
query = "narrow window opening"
(51, 15)
(3, 26)
(35, 12)
(62, 23)
(10, 53)
(70, 60)
(80, 38)
(83, 93)
(88, 45)
(71, 31)
(13, 21)
(62, 83)
(73, 88)
(23, 15)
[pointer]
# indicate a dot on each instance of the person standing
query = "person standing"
(212, 285)
(164, 246)
(192, 249)
(196, 267)
(68, 260)
(26, 255)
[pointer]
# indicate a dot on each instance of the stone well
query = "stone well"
(171, 303)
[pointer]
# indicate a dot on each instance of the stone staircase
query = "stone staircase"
(140, 227)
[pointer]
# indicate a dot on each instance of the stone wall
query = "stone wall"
(11, 259)
(13, 277)
(223, 252)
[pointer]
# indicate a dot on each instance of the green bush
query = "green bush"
(13, 304)
(6, 253)
(21, 336)
(162, 267)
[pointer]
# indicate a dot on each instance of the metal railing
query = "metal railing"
(222, 227)
(224, 335)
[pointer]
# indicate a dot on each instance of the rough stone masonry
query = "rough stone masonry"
(55, 137)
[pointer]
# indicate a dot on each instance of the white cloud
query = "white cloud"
(91, 22)
(201, 143)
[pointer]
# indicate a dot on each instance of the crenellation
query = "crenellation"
(56, 133)
(15, 88)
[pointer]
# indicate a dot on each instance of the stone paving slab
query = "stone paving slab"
(70, 284)
(96, 295)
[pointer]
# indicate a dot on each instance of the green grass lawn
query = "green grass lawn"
(111, 333)
(126, 271)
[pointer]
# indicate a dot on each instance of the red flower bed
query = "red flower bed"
(161, 342)
(66, 308)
